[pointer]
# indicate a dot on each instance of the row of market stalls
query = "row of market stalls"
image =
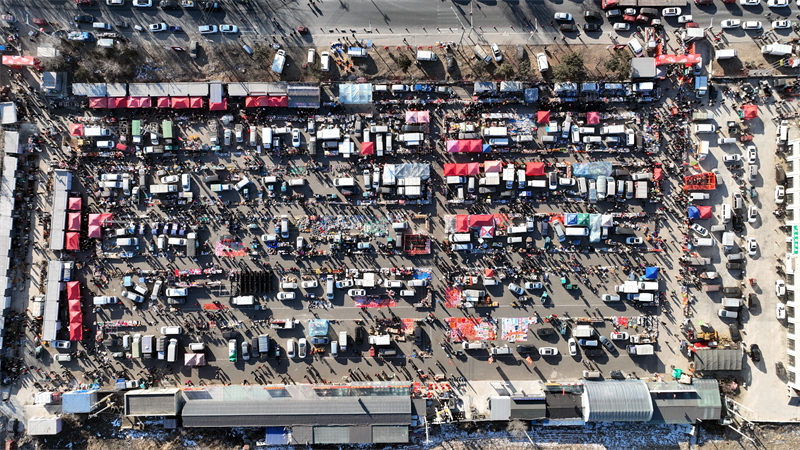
(532, 168)
(74, 309)
(8, 184)
(212, 95)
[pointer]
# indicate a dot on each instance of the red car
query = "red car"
(302, 30)
(691, 25)
(84, 2)
(628, 18)
(642, 18)
(706, 2)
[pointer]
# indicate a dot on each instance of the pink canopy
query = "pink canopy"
(367, 148)
(75, 321)
(465, 146)
(100, 219)
(76, 129)
(20, 61)
(162, 102)
(693, 58)
(493, 166)
(98, 102)
(196, 102)
(418, 117)
(73, 290)
(658, 174)
(266, 101)
(117, 102)
(139, 102)
(74, 221)
(486, 232)
(180, 102)
(221, 106)
(462, 223)
(73, 240)
(464, 169)
(95, 231)
(749, 111)
(534, 169)
(592, 117)
(453, 146)
(474, 145)
(705, 212)
(74, 204)
(254, 102)
(543, 117)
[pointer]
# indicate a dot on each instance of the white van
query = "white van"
(541, 61)
(172, 350)
(339, 182)
(171, 330)
(460, 237)
(156, 290)
(727, 53)
(334, 349)
(311, 54)
(325, 60)
(121, 242)
(705, 128)
(727, 140)
(726, 213)
(329, 287)
(636, 47)
(407, 293)
(290, 350)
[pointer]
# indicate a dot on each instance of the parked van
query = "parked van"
(703, 242)
(559, 230)
(455, 180)
(727, 53)
(460, 237)
(121, 242)
(329, 287)
(172, 350)
(636, 47)
(473, 345)
(504, 350)
(727, 140)
(290, 348)
(407, 293)
(482, 54)
(136, 351)
(583, 332)
(171, 330)
(340, 182)
(726, 213)
(731, 303)
(197, 347)
(343, 340)
(418, 283)
(325, 61)
(426, 55)
(704, 128)
(592, 374)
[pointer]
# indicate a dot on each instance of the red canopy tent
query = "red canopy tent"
(453, 146)
(180, 103)
(139, 102)
(463, 169)
(74, 204)
(74, 221)
(749, 111)
(76, 129)
(19, 62)
(100, 219)
(543, 117)
(481, 220)
(75, 320)
(162, 102)
(221, 106)
(693, 58)
(95, 231)
(534, 169)
(73, 290)
(255, 102)
(592, 117)
(196, 102)
(367, 148)
(121, 147)
(493, 166)
(705, 211)
(98, 102)
(658, 174)
(117, 102)
(474, 146)
(278, 101)
(462, 223)
(73, 240)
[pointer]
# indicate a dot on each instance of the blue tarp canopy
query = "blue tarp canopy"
(531, 95)
(355, 94)
(694, 213)
(571, 219)
(317, 327)
(650, 273)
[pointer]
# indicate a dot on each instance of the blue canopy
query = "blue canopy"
(651, 273)
(571, 219)
(317, 327)
(694, 213)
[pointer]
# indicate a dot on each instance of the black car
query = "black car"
(734, 266)
(589, 27)
(83, 19)
(608, 344)
(592, 15)
(738, 222)
(526, 349)
(544, 332)
(168, 4)
(568, 27)
(593, 352)
(359, 335)
(210, 6)
(450, 61)
(755, 353)
(735, 336)
(616, 374)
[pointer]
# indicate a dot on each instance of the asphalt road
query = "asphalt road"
(422, 22)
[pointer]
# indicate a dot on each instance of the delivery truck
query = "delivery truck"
(162, 188)
(641, 349)
(279, 61)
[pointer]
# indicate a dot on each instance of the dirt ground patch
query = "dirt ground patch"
(749, 58)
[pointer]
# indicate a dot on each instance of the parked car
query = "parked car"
(228, 29)
(755, 353)
(207, 29)
(608, 344)
(699, 229)
(573, 347)
(731, 23)
(548, 351)
(780, 194)
(563, 17)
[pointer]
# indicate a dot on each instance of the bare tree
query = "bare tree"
(517, 428)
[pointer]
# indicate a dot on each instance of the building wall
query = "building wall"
(792, 264)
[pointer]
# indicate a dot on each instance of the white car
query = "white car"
(609, 298)
(288, 285)
(177, 292)
(781, 24)
(104, 300)
(749, 2)
(573, 346)
(498, 56)
(731, 23)
(630, 11)
(143, 3)
(344, 284)
(295, 137)
(751, 25)
(309, 284)
(780, 288)
(61, 344)
(285, 295)
(531, 286)
(563, 17)
(207, 29)
(245, 350)
(516, 289)
(229, 29)
(780, 194)
(686, 18)
(634, 240)
(356, 292)
(752, 155)
(301, 345)
(115, 2)
(671, 12)
(170, 179)
(619, 336)
(752, 214)
(731, 158)
(699, 229)
(156, 27)
(777, 3)
(622, 26)
(548, 351)
(780, 311)
(752, 247)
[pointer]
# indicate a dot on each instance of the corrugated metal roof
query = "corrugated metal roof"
(617, 401)
(528, 409)
(331, 435)
(686, 403)
(151, 402)
(253, 88)
(78, 402)
(89, 89)
(116, 89)
(384, 434)
(718, 359)
(566, 405)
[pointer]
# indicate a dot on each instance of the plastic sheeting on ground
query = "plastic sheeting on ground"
(592, 169)
(355, 94)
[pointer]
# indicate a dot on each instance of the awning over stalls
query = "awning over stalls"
(749, 112)
(74, 221)
(180, 103)
(543, 117)
(73, 290)
(162, 102)
(493, 166)
(73, 241)
(592, 117)
(534, 169)
(220, 106)
(367, 148)
(196, 102)
(74, 204)
(75, 321)
(465, 146)
(418, 117)
(355, 94)
(76, 129)
(464, 169)
(117, 102)
(99, 219)
(95, 231)
(98, 102)
(481, 220)
(139, 102)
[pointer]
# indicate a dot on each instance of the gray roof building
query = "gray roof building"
(616, 401)
(718, 359)
(153, 402)
(677, 403)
